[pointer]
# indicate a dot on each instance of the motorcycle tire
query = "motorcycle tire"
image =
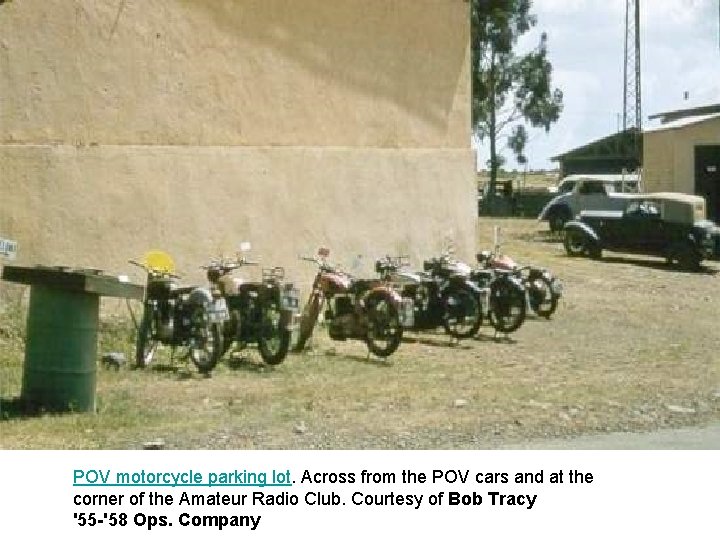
(273, 341)
(309, 317)
(207, 350)
(507, 306)
(463, 315)
(384, 332)
(543, 302)
(145, 346)
(230, 329)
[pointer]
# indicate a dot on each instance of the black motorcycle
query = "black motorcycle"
(181, 317)
(543, 290)
(502, 296)
(262, 312)
(441, 296)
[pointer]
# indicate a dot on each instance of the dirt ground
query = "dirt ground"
(632, 348)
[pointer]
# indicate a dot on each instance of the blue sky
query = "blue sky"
(680, 52)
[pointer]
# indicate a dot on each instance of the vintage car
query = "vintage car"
(669, 225)
(588, 192)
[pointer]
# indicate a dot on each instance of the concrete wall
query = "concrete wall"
(189, 125)
(669, 155)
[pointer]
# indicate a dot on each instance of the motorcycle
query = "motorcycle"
(364, 309)
(543, 290)
(185, 317)
(441, 295)
(260, 312)
(502, 297)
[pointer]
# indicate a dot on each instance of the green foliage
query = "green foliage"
(509, 91)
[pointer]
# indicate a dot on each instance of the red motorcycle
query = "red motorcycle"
(364, 309)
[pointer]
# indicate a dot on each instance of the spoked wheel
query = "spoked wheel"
(274, 340)
(231, 329)
(542, 296)
(206, 345)
(384, 331)
(507, 306)
(463, 316)
(146, 346)
(309, 317)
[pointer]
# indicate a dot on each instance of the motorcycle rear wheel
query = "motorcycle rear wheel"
(384, 331)
(145, 346)
(206, 347)
(543, 301)
(507, 307)
(273, 341)
(463, 316)
(309, 317)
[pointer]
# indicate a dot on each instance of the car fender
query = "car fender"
(582, 228)
(561, 201)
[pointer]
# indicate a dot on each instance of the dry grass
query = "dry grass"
(633, 347)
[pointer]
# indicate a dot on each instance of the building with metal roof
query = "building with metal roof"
(614, 154)
(682, 154)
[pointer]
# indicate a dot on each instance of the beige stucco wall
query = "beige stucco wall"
(389, 73)
(669, 155)
(190, 125)
(199, 202)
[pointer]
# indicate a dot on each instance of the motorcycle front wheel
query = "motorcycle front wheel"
(274, 340)
(309, 317)
(145, 346)
(206, 346)
(384, 331)
(507, 306)
(543, 300)
(463, 316)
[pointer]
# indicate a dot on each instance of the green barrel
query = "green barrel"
(61, 349)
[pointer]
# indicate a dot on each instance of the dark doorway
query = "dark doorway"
(707, 178)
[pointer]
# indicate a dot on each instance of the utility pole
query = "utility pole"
(632, 110)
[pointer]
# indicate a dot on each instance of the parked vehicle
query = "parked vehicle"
(503, 298)
(588, 192)
(542, 289)
(261, 312)
(364, 309)
(669, 225)
(181, 317)
(441, 296)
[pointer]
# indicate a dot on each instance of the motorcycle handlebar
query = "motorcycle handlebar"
(153, 271)
(324, 265)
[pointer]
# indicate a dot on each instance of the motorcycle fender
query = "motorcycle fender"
(459, 281)
(515, 282)
(200, 297)
(394, 296)
(473, 287)
(582, 228)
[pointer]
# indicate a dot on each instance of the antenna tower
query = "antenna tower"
(632, 110)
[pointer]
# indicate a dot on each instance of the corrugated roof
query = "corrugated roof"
(683, 122)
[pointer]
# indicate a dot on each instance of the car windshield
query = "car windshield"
(643, 208)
